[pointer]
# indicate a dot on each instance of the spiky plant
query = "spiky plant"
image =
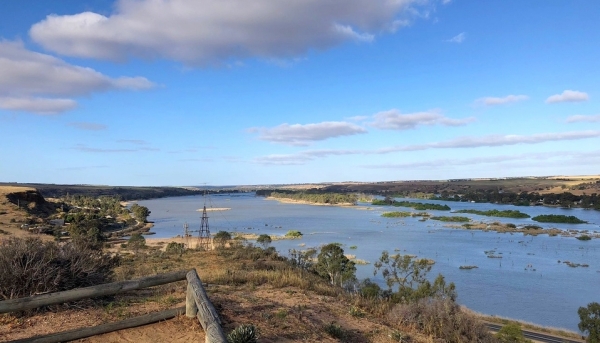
(245, 333)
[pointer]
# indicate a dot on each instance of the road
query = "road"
(536, 336)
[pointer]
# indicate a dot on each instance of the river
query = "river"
(528, 283)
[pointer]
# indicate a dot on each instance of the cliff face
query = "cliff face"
(31, 200)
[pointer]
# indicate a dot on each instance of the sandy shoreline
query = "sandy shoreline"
(303, 202)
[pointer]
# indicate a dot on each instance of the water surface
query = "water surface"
(527, 283)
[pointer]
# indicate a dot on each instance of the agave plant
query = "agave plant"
(243, 334)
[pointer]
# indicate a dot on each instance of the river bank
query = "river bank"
(304, 202)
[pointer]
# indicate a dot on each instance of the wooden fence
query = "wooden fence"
(197, 305)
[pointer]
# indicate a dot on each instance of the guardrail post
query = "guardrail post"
(191, 310)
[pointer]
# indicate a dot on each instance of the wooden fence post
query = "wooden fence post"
(191, 310)
(207, 315)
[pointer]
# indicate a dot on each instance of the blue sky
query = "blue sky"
(182, 92)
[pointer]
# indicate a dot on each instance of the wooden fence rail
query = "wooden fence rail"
(197, 305)
(36, 301)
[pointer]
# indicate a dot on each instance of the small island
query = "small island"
(497, 213)
(311, 197)
(403, 214)
(558, 218)
(416, 205)
(454, 219)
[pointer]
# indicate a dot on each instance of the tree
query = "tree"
(302, 259)
(264, 240)
(332, 264)
(136, 242)
(140, 213)
(410, 276)
(511, 333)
(590, 321)
(221, 238)
(86, 233)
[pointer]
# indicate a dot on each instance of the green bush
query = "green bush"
(584, 238)
(264, 240)
(243, 334)
(136, 241)
(335, 331)
(294, 234)
(511, 333)
(221, 238)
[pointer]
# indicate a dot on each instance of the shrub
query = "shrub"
(442, 319)
(356, 312)
(221, 238)
(584, 238)
(175, 248)
(294, 234)
(243, 334)
(136, 241)
(335, 331)
(399, 336)
(264, 240)
(511, 333)
(30, 266)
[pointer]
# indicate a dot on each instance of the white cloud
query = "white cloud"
(459, 38)
(37, 105)
(298, 134)
(205, 32)
(554, 158)
(88, 126)
(85, 148)
(503, 140)
(469, 161)
(458, 143)
(493, 101)
(584, 119)
(394, 120)
(43, 84)
(568, 96)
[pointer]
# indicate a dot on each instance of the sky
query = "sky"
(232, 92)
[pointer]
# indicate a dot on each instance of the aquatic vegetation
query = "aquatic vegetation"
(451, 219)
(294, 234)
(396, 214)
(416, 205)
(558, 218)
(497, 213)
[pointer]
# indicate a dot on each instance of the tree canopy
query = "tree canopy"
(590, 321)
(333, 264)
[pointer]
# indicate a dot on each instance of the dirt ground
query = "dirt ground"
(281, 313)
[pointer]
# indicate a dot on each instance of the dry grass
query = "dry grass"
(247, 286)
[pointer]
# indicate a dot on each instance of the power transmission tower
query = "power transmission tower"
(204, 233)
